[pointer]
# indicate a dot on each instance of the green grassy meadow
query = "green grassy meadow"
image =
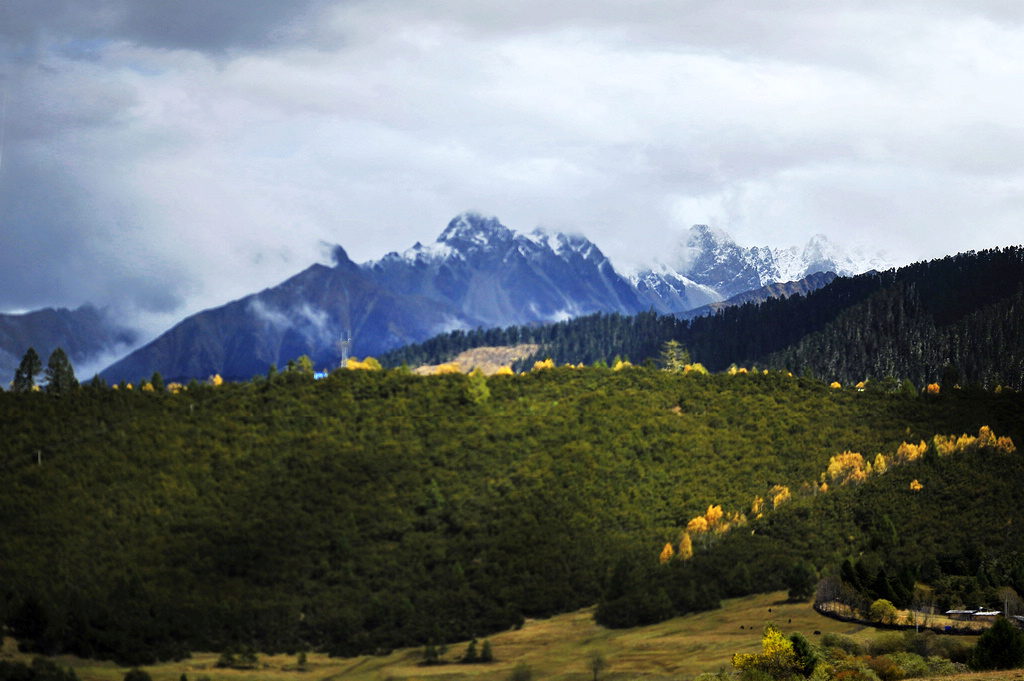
(556, 648)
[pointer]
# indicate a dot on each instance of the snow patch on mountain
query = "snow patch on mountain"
(711, 257)
(472, 231)
(823, 255)
(496, 276)
(664, 290)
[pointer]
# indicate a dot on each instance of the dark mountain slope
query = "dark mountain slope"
(478, 272)
(962, 312)
(306, 315)
(911, 323)
(85, 334)
(803, 287)
(491, 273)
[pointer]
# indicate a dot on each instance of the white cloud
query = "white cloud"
(163, 169)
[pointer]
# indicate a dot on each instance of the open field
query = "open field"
(555, 648)
(486, 359)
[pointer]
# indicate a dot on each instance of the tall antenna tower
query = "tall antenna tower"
(345, 346)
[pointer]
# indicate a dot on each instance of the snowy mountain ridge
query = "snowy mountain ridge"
(477, 273)
(712, 258)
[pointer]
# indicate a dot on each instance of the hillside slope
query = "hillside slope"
(379, 509)
(86, 334)
(957, 318)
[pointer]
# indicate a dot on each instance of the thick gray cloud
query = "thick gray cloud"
(164, 157)
(206, 25)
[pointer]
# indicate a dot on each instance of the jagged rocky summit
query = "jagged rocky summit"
(478, 272)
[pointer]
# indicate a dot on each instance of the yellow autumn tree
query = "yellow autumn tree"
(846, 468)
(880, 464)
(932, 389)
(966, 443)
(368, 364)
(777, 657)
(916, 486)
(685, 546)
(215, 380)
(544, 364)
(667, 553)
(449, 368)
(986, 438)
(622, 364)
(697, 525)
(835, 385)
(944, 445)
(779, 494)
(1004, 445)
(713, 515)
(504, 371)
(757, 507)
(908, 453)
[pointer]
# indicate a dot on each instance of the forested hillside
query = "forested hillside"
(375, 509)
(962, 313)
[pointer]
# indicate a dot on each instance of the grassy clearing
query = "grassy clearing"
(555, 649)
(487, 359)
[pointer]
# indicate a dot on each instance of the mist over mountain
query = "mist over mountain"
(710, 257)
(494, 276)
(477, 273)
(811, 282)
(87, 334)
(306, 315)
(709, 267)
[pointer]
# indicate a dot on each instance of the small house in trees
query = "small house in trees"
(974, 615)
(960, 614)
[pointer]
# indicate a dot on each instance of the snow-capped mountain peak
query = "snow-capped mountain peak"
(711, 257)
(563, 245)
(663, 289)
(472, 231)
(497, 276)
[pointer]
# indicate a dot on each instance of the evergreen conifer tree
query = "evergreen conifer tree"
(60, 376)
(25, 376)
(1001, 647)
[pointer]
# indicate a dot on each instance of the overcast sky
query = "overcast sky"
(163, 157)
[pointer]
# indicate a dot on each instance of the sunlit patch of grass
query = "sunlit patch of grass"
(554, 648)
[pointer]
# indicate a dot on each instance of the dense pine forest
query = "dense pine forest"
(960, 314)
(375, 509)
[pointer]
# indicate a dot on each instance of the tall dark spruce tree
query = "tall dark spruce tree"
(60, 376)
(25, 376)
